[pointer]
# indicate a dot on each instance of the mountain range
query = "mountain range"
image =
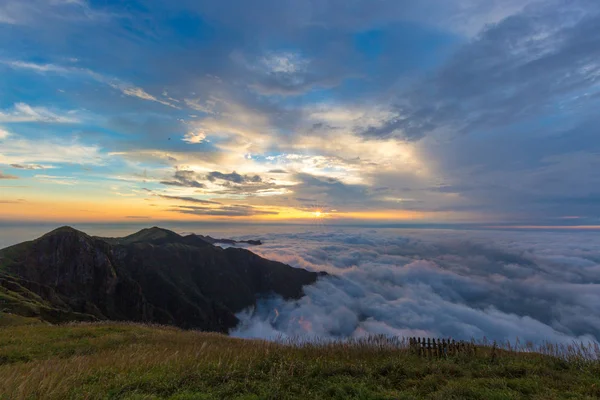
(154, 276)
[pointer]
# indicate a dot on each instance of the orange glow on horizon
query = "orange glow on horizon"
(115, 210)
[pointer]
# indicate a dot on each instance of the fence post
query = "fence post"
(428, 347)
(419, 346)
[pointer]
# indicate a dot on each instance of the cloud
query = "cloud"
(288, 73)
(194, 137)
(31, 166)
(5, 176)
(6, 19)
(40, 68)
(141, 94)
(59, 180)
(195, 104)
(330, 190)
(267, 17)
(30, 13)
(124, 87)
(492, 100)
(463, 284)
(184, 178)
(187, 199)
(233, 177)
(22, 112)
(224, 211)
(514, 70)
(19, 150)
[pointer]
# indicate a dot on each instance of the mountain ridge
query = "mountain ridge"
(154, 275)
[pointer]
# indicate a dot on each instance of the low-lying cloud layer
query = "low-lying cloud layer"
(463, 284)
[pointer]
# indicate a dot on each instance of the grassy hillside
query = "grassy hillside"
(126, 361)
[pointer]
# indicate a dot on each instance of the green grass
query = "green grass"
(128, 361)
(7, 320)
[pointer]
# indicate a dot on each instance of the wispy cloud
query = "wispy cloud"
(140, 93)
(59, 180)
(6, 176)
(34, 11)
(40, 68)
(207, 107)
(224, 211)
(22, 112)
(31, 166)
(18, 150)
(124, 87)
(187, 199)
(6, 19)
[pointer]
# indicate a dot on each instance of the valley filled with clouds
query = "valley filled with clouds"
(464, 284)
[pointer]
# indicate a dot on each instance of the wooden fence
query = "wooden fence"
(441, 347)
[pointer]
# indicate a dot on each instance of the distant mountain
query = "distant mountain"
(154, 275)
(212, 240)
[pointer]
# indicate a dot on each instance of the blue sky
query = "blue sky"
(431, 111)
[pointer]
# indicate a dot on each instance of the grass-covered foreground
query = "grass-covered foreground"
(126, 361)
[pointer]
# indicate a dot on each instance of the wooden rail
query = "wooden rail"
(440, 347)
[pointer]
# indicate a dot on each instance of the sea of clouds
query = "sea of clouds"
(501, 285)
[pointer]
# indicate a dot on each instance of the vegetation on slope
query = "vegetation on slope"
(126, 361)
(154, 276)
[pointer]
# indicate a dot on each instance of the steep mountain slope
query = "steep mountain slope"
(154, 275)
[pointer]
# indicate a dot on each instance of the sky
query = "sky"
(379, 111)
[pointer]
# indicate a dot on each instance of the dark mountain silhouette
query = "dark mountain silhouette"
(154, 275)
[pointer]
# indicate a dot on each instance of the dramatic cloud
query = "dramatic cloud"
(546, 52)
(463, 284)
(441, 110)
